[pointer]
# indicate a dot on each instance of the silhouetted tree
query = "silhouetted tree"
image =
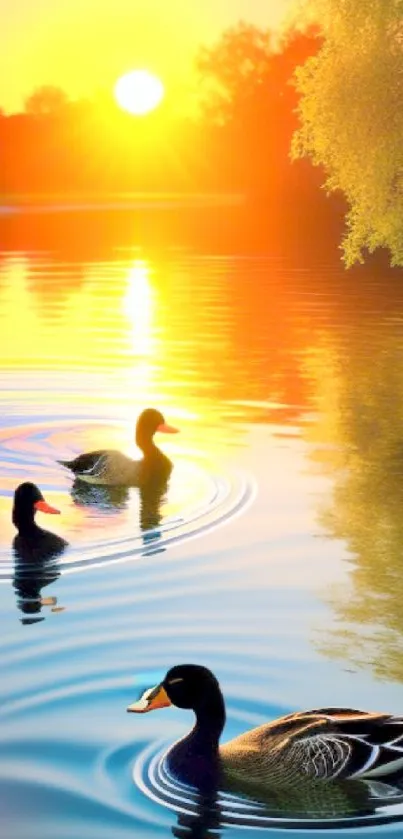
(47, 99)
(246, 92)
(233, 69)
(248, 63)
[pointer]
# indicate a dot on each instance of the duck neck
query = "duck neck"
(210, 721)
(146, 444)
(24, 522)
(195, 759)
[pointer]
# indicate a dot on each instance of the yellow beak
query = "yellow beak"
(151, 700)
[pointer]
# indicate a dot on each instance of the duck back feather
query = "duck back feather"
(323, 744)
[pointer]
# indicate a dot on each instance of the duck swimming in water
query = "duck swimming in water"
(112, 468)
(35, 552)
(323, 745)
(28, 500)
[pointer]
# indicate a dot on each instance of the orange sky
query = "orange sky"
(84, 45)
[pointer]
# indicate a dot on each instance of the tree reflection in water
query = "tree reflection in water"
(362, 418)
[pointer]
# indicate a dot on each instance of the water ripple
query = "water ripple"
(120, 778)
(151, 775)
(198, 499)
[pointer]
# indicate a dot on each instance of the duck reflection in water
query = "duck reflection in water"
(152, 494)
(336, 804)
(204, 823)
(35, 553)
(110, 499)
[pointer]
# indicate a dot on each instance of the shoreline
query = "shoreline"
(90, 202)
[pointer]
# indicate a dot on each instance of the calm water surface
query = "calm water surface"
(274, 558)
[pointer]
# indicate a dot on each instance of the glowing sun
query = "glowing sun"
(139, 92)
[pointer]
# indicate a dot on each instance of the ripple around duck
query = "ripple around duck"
(198, 500)
(104, 775)
(151, 775)
(68, 744)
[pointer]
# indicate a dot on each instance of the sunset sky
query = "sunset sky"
(85, 45)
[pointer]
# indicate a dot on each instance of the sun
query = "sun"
(139, 92)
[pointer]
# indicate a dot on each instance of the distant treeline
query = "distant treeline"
(239, 141)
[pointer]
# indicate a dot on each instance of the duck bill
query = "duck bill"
(164, 428)
(151, 700)
(44, 507)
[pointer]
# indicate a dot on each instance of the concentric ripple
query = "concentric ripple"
(384, 802)
(106, 775)
(100, 340)
(197, 499)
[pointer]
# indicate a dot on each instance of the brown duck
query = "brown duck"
(113, 468)
(322, 745)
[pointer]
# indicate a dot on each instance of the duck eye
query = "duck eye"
(175, 681)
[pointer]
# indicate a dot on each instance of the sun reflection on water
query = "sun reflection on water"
(139, 307)
(245, 358)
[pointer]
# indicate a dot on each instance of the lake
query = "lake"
(274, 558)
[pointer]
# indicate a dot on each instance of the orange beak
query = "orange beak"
(44, 507)
(152, 699)
(164, 428)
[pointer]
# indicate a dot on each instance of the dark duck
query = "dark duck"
(298, 753)
(35, 550)
(110, 467)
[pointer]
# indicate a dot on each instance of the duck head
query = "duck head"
(28, 500)
(149, 422)
(188, 686)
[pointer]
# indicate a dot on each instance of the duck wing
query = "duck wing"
(323, 744)
(111, 468)
(96, 471)
(345, 743)
(83, 463)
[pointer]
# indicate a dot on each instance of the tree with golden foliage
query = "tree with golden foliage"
(351, 118)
